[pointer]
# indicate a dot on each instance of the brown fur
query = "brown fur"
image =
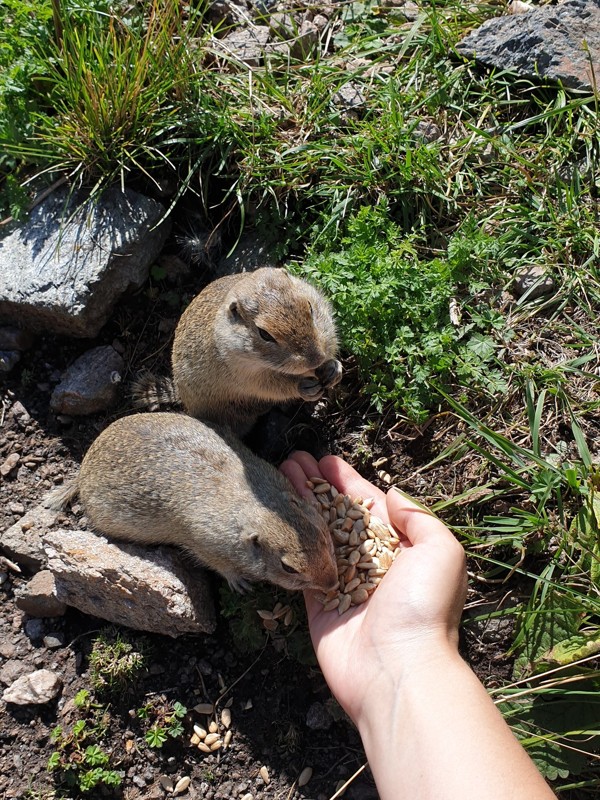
(170, 479)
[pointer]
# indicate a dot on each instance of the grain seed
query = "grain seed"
(216, 745)
(204, 747)
(264, 774)
(322, 488)
(211, 738)
(305, 776)
(200, 732)
(227, 739)
(344, 604)
(213, 728)
(182, 785)
(226, 717)
(359, 596)
(331, 604)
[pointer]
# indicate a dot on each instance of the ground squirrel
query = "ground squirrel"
(245, 343)
(170, 479)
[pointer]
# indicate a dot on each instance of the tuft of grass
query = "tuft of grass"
(116, 662)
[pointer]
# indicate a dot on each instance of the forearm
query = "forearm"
(433, 733)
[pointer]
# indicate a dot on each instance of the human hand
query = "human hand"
(413, 614)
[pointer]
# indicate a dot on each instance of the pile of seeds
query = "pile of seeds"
(365, 546)
(209, 739)
(272, 619)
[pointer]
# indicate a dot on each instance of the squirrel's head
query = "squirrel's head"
(281, 320)
(294, 549)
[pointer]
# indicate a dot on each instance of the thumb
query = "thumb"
(415, 521)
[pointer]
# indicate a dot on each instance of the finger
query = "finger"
(309, 464)
(348, 480)
(418, 523)
(295, 474)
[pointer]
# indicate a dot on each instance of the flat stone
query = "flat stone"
(64, 269)
(90, 384)
(11, 670)
(22, 542)
(35, 629)
(54, 640)
(246, 44)
(555, 42)
(38, 597)
(143, 588)
(9, 464)
(533, 281)
(36, 688)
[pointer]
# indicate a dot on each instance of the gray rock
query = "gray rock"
(38, 597)
(54, 640)
(36, 688)
(64, 269)
(12, 338)
(147, 589)
(426, 131)
(22, 542)
(9, 464)
(12, 670)
(246, 44)
(555, 42)
(90, 384)
(349, 97)
(35, 629)
(9, 359)
(533, 281)
(318, 718)
(250, 254)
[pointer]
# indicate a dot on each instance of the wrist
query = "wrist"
(405, 667)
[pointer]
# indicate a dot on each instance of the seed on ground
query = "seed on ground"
(264, 774)
(211, 738)
(226, 717)
(182, 785)
(305, 776)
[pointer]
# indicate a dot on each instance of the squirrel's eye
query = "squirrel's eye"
(310, 308)
(289, 569)
(265, 335)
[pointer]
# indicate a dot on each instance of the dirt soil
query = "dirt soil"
(273, 694)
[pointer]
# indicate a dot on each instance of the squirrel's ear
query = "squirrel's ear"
(233, 309)
(254, 540)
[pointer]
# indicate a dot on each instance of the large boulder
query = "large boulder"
(67, 265)
(559, 42)
(147, 589)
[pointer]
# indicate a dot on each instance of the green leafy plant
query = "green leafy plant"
(78, 763)
(167, 721)
(393, 310)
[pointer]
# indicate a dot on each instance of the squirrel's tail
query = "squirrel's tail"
(59, 498)
(152, 392)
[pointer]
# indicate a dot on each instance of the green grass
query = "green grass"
(417, 241)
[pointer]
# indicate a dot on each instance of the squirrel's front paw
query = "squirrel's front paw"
(329, 373)
(310, 389)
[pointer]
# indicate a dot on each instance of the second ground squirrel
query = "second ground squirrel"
(245, 343)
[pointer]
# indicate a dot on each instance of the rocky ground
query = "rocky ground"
(283, 717)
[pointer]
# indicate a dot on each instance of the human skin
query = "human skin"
(429, 728)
